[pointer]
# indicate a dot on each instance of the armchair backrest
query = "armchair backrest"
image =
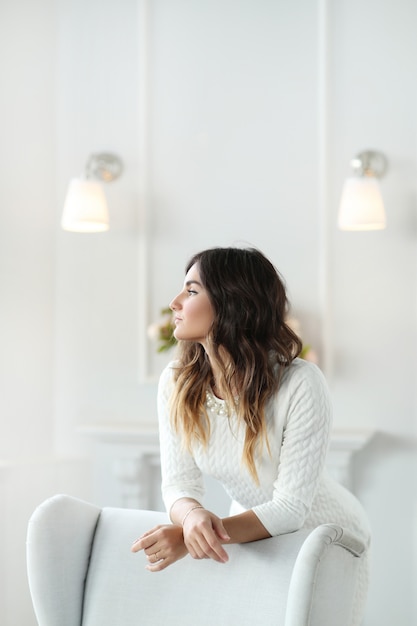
(82, 573)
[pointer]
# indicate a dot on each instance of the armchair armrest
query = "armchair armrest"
(324, 579)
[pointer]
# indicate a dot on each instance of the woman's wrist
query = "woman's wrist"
(180, 508)
(190, 510)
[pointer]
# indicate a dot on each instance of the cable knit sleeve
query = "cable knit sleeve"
(181, 478)
(303, 451)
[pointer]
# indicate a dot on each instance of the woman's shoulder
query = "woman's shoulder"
(166, 385)
(166, 376)
(303, 367)
(302, 372)
(169, 368)
(304, 387)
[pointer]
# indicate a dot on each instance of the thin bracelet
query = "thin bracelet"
(193, 508)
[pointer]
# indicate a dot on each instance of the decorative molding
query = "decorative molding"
(343, 445)
(125, 458)
(144, 234)
(325, 215)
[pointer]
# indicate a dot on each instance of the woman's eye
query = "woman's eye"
(191, 292)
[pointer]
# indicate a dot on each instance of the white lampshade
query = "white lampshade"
(361, 205)
(85, 208)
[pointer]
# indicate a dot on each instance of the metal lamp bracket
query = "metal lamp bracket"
(104, 166)
(369, 163)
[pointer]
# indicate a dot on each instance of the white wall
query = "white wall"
(27, 211)
(29, 470)
(27, 274)
(372, 104)
(97, 275)
(227, 164)
(250, 131)
(373, 277)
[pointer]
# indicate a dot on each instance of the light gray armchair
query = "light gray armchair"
(82, 573)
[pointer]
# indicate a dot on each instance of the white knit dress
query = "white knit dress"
(294, 489)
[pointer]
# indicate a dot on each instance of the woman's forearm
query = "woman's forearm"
(245, 527)
(241, 528)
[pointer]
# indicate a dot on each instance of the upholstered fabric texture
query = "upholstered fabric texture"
(82, 573)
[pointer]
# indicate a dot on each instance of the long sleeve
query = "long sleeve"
(305, 438)
(180, 475)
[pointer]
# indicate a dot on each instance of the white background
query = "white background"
(254, 110)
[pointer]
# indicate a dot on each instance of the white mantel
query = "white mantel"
(127, 472)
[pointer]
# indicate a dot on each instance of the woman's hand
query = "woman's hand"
(163, 545)
(204, 534)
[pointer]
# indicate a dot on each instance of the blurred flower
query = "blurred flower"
(308, 354)
(163, 331)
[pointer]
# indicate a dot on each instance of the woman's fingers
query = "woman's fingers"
(154, 557)
(163, 545)
(161, 564)
(220, 530)
(203, 534)
(147, 540)
(167, 550)
(204, 543)
(142, 544)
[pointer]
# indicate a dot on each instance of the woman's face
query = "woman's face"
(193, 311)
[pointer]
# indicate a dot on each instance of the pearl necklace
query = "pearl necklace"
(219, 407)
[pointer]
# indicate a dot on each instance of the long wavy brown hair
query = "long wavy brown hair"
(249, 341)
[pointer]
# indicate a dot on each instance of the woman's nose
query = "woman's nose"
(174, 304)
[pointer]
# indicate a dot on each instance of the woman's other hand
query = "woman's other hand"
(204, 535)
(163, 546)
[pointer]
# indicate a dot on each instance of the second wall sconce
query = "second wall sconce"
(85, 207)
(361, 204)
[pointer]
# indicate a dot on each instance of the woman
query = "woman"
(238, 405)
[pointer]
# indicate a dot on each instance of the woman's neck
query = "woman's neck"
(218, 382)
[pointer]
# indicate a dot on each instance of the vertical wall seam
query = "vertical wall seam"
(143, 189)
(324, 214)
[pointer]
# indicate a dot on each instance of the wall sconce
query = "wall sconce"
(85, 207)
(361, 204)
